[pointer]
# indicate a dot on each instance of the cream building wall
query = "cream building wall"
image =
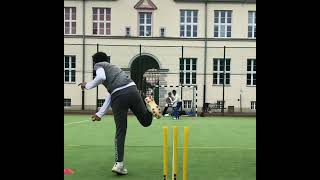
(167, 15)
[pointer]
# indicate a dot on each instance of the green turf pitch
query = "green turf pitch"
(220, 148)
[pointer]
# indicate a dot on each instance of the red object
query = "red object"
(68, 171)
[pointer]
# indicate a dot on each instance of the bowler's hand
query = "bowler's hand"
(95, 118)
(83, 85)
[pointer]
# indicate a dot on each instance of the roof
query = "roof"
(145, 4)
(219, 1)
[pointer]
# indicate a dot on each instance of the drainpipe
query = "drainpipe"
(83, 49)
(205, 55)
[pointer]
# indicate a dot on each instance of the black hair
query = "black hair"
(174, 91)
(100, 57)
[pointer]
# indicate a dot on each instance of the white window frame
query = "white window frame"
(126, 32)
(192, 23)
(187, 104)
(220, 24)
(164, 32)
(70, 69)
(145, 24)
(70, 20)
(65, 103)
(251, 72)
(93, 71)
(218, 71)
(185, 71)
(253, 105)
(104, 21)
(221, 104)
(252, 24)
(100, 102)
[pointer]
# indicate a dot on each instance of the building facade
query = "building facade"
(210, 44)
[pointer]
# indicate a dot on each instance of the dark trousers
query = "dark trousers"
(121, 101)
(176, 110)
(165, 110)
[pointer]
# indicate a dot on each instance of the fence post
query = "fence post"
(97, 97)
(182, 51)
(224, 77)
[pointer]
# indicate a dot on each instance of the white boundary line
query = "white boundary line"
(192, 147)
(76, 122)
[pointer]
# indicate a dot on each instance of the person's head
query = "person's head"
(169, 94)
(100, 57)
(174, 92)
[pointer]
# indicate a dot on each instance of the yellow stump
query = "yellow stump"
(175, 154)
(185, 153)
(165, 153)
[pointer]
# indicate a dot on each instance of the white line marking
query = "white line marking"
(73, 145)
(218, 148)
(191, 147)
(76, 122)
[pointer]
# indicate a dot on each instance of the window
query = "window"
(128, 31)
(67, 102)
(69, 20)
(252, 24)
(101, 21)
(100, 102)
(70, 69)
(188, 71)
(222, 24)
(220, 104)
(253, 105)
(188, 23)
(218, 70)
(93, 71)
(145, 24)
(162, 32)
(187, 104)
(251, 72)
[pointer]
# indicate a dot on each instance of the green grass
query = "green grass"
(220, 148)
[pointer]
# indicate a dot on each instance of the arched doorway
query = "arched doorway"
(145, 73)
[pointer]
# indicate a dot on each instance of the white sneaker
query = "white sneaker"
(119, 169)
(166, 115)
